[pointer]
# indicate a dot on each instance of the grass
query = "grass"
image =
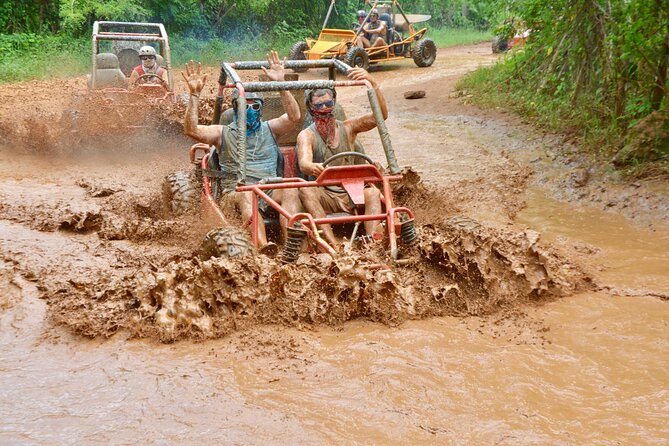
(445, 37)
(27, 57)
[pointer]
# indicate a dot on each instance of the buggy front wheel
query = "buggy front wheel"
(226, 242)
(357, 57)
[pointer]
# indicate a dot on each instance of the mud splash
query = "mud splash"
(460, 268)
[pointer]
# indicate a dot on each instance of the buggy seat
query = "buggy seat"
(108, 74)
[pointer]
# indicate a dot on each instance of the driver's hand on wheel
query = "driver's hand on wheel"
(315, 169)
(194, 77)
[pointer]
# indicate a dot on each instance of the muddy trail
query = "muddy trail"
(506, 290)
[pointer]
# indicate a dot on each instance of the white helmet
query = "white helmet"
(147, 51)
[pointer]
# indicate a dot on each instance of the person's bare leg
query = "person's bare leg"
(379, 42)
(310, 197)
(245, 203)
(363, 42)
(289, 199)
(372, 206)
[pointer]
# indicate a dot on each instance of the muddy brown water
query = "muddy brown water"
(590, 368)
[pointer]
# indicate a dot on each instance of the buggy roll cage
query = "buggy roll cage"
(393, 4)
(229, 70)
(105, 31)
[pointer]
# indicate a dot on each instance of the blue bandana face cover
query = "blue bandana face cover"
(253, 118)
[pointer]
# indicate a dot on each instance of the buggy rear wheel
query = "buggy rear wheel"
(181, 192)
(297, 53)
(499, 45)
(357, 57)
(226, 242)
(424, 53)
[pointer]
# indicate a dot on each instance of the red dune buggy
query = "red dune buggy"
(399, 221)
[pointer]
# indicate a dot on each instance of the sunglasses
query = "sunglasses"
(146, 57)
(326, 104)
(255, 106)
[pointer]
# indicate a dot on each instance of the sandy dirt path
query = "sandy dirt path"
(537, 313)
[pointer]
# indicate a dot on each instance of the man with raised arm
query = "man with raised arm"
(326, 137)
(263, 156)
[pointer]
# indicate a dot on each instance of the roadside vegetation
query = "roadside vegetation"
(51, 38)
(594, 69)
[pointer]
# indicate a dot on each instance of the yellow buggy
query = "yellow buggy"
(402, 40)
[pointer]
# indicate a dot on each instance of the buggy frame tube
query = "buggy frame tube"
(207, 191)
(327, 16)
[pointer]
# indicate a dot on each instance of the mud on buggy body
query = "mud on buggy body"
(351, 178)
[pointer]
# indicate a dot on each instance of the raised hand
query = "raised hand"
(194, 77)
(360, 74)
(276, 70)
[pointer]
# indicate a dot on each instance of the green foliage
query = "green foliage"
(596, 67)
(32, 56)
(77, 15)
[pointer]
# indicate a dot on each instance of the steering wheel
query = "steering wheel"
(147, 76)
(342, 155)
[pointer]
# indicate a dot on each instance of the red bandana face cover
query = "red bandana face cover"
(325, 123)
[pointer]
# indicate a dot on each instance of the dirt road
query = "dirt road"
(536, 311)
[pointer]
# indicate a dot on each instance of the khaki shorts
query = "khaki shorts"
(334, 202)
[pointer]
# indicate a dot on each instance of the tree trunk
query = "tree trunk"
(659, 90)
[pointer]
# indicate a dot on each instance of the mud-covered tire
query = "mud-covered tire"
(499, 45)
(297, 53)
(356, 56)
(226, 242)
(181, 192)
(424, 53)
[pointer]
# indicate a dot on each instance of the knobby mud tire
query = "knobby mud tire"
(181, 192)
(424, 53)
(357, 57)
(226, 242)
(499, 45)
(297, 53)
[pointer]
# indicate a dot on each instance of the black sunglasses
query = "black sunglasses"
(326, 104)
(256, 106)
(147, 57)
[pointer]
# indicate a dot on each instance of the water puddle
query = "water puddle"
(631, 256)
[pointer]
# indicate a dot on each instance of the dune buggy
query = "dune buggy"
(111, 103)
(233, 242)
(402, 40)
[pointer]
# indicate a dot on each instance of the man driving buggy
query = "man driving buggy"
(372, 31)
(148, 71)
(262, 152)
(326, 137)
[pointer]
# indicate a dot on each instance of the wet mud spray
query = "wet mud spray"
(458, 267)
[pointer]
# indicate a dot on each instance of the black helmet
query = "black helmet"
(362, 13)
(374, 11)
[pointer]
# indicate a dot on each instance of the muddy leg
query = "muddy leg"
(310, 197)
(372, 206)
(245, 202)
(290, 200)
